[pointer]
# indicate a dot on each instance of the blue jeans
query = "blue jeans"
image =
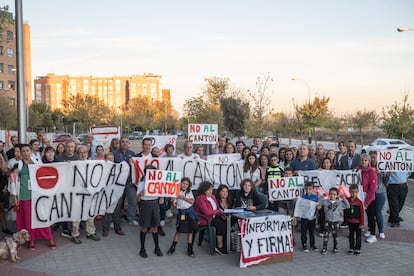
(131, 192)
(379, 204)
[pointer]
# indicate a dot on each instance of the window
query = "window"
(11, 84)
(9, 35)
(10, 52)
(1, 84)
(1, 50)
(1, 67)
(10, 69)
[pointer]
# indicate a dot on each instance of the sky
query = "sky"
(347, 50)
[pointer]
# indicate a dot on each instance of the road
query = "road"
(409, 202)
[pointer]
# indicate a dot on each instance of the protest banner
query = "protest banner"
(160, 141)
(75, 191)
(305, 208)
(285, 188)
(103, 135)
(162, 183)
(203, 133)
(264, 237)
(223, 158)
(395, 161)
(197, 170)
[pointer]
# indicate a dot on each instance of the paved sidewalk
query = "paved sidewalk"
(119, 255)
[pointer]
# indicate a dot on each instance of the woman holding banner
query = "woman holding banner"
(20, 190)
(369, 186)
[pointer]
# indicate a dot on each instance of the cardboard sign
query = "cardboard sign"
(305, 208)
(160, 141)
(162, 183)
(395, 161)
(103, 135)
(264, 237)
(224, 158)
(75, 191)
(285, 188)
(203, 133)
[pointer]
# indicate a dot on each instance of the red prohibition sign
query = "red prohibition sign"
(47, 177)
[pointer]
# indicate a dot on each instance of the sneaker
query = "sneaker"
(221, 251)
(350, 251)
(321, 235)
(143, 253)
(158, 252)
(367, 234)
(134, 222)
(66, 234)
(93, 237)
(382, 236)
(357, 252)
(76, 240)
(343, 225)
(395, 224)
(371, 239)
(335, 251)
(111, 225)
(169, 213)
(305, 248)
(162, 223)
(314, 248)
(324, 251)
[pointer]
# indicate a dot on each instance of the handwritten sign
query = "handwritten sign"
(203, 133)
(197, 170)
(224, 158)
(395, 161)
(75, 191)
(160, 141)
(162, 183)
(264, 237)
(305, 208)
(285, 188)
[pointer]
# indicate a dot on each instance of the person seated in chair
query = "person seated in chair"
(206, 204)
(248, 198)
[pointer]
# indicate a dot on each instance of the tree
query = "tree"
(314, 113)
(398, 119)
(235, 115)
(362, 120)
(86, 111)
(334, 124)
(259, 102)
(8, 114)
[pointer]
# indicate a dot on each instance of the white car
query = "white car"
(385, 144)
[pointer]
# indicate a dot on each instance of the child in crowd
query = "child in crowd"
(186, 217)
(306, 224)
(149, 218)
(355, 219)
(333, 212)
(272, 172)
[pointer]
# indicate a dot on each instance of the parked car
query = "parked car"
(62, 137)
(385, 144)
(81, 137)
(272, 140)
(136, 135)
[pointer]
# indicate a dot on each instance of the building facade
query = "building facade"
(115, 92)
(8, 58)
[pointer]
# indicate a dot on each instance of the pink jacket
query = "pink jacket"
(369, 184)
(203, 206)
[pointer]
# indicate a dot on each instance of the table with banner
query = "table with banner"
(265, 237)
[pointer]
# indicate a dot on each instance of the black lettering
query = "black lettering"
(54, 208)
(100, 166)
(83, 179)
(36, 209)
(82, 203)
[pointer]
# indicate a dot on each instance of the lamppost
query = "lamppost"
(309, 103)
(120, 114)
(403, 29)
(166, 118)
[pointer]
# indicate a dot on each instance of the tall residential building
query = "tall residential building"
(115, 91)
(8, 76)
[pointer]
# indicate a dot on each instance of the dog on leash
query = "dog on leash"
(10, 245)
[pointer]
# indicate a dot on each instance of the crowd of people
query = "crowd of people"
(263, 160)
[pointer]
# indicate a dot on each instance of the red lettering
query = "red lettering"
(151, 174)
(385, 155)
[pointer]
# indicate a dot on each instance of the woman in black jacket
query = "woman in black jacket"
(248, 198)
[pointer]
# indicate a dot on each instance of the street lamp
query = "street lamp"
(166, 118)
(403, 29)
(309, 102)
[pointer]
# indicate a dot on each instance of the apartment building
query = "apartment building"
(115, 92)
(8, 76)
